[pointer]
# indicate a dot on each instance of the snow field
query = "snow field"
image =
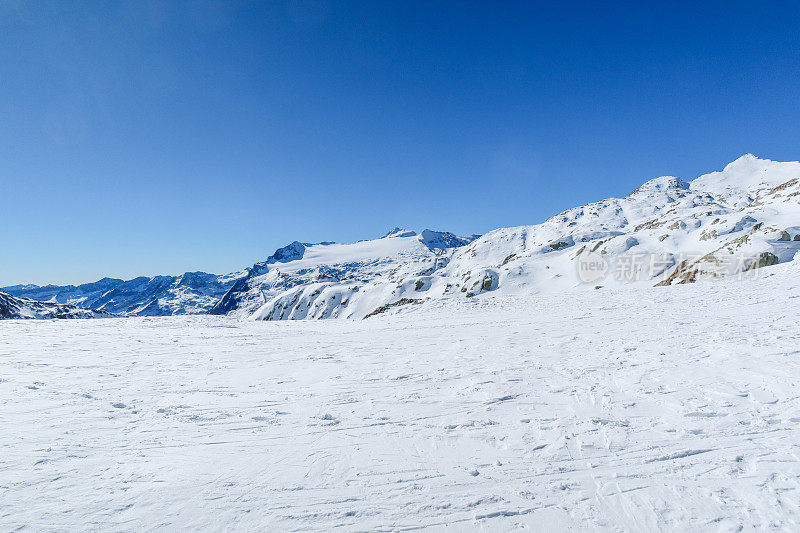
(673, 408)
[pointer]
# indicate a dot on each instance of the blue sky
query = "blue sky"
(141, 138)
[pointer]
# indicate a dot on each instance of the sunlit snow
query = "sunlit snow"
(621, 409)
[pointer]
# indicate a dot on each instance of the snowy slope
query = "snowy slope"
(631, 409)
(190, 293)
(720, 224)
(328, 280)
(12, 307)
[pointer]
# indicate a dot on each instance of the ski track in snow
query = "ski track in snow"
(658, 408)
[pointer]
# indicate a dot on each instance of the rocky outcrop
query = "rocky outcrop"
(398, 303)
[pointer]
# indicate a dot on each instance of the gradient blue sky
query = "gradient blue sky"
(141, 138)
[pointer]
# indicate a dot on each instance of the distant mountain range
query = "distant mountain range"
(190, 293)
(13, 307)
(667, 231)
(201, 292)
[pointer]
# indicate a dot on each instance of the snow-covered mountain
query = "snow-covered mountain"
(666, 231)
(13, 307)
(726, 223)
(298, 264)
(190, 293)
(328, 280)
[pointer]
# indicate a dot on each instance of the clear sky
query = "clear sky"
(148, 137)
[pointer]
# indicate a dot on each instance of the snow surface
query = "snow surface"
(638, 408)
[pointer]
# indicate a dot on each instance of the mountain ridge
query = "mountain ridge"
(12, 307)
(748, 212)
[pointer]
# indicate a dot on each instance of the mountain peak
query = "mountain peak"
(661, 184)
(290, 252)
(400, 232)
(742, 179)
(746, 161)
(438, 240)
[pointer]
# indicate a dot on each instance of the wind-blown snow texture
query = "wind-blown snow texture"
(636, 408)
